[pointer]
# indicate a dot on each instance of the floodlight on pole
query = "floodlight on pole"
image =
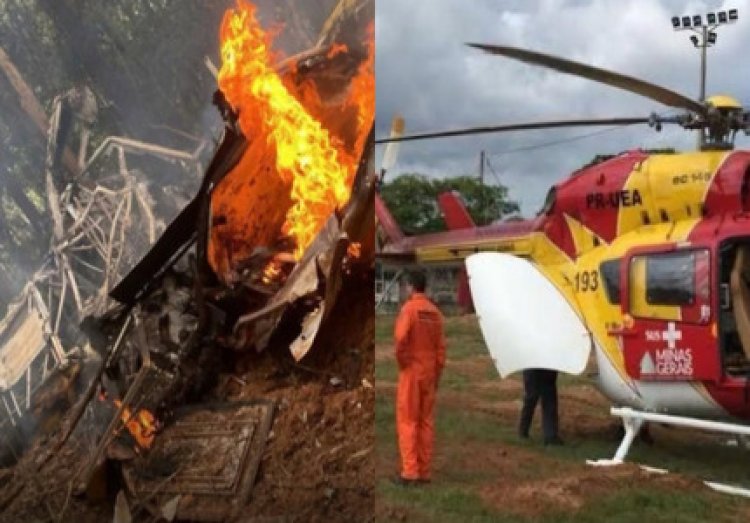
(704, 38)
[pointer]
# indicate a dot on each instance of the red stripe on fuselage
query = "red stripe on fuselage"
(725, 193)
(731, 393)
(593, 196)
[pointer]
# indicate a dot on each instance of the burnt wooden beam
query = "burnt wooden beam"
(32, 107)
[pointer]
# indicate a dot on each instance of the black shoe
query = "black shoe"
(523, 435)
(554, 441)
(404, 482)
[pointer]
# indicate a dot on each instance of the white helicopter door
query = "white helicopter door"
(525, 320)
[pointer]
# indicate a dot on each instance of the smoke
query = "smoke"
(145, 63)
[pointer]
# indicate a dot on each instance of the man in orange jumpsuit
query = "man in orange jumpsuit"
(420, 352)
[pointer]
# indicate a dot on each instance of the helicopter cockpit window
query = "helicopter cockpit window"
(671, 286)
(611, 276)
(670, 279)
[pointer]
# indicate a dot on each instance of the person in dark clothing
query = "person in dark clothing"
(540, 383)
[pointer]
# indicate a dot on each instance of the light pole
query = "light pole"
(706, 37)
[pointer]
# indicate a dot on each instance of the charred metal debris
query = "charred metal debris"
(147, 349)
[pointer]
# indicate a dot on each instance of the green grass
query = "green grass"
(386, 371)
(466, 426)
(384, 328)
(638, 505)
(631, 505)
(448, 503)
(463, 335)
(464, 340)
(454, 495)
(567, 380)
(455, 381)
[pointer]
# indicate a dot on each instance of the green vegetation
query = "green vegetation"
(384, 328)
(144, 63)
(464, 338)
(478, 451)
(412, 198)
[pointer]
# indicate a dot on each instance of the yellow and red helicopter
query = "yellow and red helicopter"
(643, 258)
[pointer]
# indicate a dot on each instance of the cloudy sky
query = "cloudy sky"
(425, 73)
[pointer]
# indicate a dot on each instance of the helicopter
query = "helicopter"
(642, 259)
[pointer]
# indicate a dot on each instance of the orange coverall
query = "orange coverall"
(420, 352)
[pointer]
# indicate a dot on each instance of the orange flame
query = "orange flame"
(354, 250)
(363, 90)
(271, 272)
(142, 426)
(335, 50)
(306, 155)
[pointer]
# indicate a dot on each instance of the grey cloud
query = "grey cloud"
(426, 73)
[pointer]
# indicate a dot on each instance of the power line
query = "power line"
(575, 138)
(557, 142)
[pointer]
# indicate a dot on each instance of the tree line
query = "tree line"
(412, 199)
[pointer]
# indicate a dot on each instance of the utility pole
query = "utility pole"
(703, 46)
(481, 187)
(704, 38)
(481, 168)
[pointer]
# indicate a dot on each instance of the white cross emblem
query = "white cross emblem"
(671, 335)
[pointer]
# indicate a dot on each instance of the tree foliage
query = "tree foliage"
(144, 62)
(412, 198)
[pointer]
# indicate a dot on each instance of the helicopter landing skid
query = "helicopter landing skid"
(633, 420)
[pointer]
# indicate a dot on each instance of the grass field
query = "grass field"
(484, 472)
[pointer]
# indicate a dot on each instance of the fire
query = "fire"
(271, 272)
(313, 163)
(354, 250)
(363, 90)
(142, 425)
(335, 50)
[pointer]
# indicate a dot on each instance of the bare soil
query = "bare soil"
(318, 463)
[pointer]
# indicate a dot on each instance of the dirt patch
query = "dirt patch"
(571, 491)
(392, 513)
(318, 462)
(582, 413)
(475, 367)
(384, 352)
(503, 463)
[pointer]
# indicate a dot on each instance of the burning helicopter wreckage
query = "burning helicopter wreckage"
(269, 263)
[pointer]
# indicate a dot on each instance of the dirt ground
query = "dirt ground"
(484, 472)
(318, 462)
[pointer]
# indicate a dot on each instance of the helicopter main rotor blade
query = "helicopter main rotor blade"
(515, 127)
(621, 81)
(391, 150)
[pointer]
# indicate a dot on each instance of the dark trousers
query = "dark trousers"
(540, 383)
